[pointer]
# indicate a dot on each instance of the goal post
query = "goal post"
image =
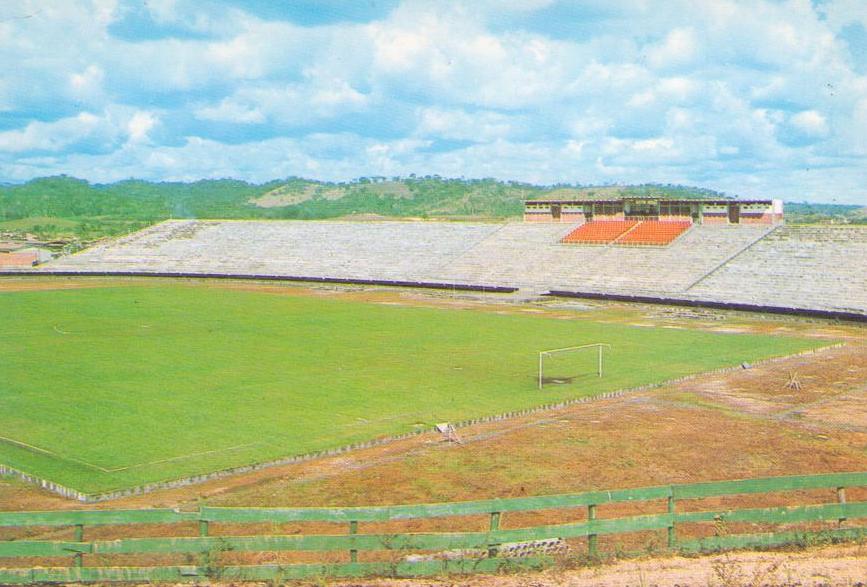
(599, 346)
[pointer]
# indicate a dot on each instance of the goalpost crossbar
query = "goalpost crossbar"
(543, 354)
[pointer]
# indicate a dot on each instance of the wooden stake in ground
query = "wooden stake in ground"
(794, 382)
(448, 430)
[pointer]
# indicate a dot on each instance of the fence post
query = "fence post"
(672, 536)
(79, 537)
(495, 525)
(841, 499)
(205, 558)
(592, 539)
(353, 529)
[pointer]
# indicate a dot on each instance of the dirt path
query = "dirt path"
(825, 567)
(832, 566)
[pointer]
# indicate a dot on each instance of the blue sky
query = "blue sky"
(754, 98)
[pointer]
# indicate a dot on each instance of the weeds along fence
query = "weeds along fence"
(389, 554)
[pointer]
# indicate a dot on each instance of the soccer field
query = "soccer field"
(117, 386)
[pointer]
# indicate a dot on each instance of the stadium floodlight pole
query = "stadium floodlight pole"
(598, 345)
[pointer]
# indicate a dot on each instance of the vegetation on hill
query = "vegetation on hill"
(64, 207)
(807, 213)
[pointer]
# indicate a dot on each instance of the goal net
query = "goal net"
(571, 364)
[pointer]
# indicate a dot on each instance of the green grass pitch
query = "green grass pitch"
(113, 387)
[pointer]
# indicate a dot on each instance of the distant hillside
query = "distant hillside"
(73, 209)
(807, 213)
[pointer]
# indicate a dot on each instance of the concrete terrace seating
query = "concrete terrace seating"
(599, 231)
(522, 254)
(356, 250)
(796, 266)
(531, 255)
(805, 267)
(655, 232)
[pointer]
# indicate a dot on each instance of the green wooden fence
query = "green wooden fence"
(483, 548)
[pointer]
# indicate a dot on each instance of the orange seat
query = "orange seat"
(599, 231)
(656, 232)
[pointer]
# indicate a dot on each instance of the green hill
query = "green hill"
(67, 208)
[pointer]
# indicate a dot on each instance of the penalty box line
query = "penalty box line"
(188, 456)
(51, 453)
(54, 455)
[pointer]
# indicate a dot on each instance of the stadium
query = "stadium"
(413, 293)
(221, 361)
(712, 254)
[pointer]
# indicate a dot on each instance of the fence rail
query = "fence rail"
(480, 550)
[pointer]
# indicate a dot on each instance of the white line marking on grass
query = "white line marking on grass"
(188, 456)
(51, 453)
(27, 446)
(59, 331)
(54, 455)
(362, 421)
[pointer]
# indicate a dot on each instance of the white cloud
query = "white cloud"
(162, 11)
(857, 132)
(87, 84)
(232, 110)
(140, 124)
(811, 123)
(680, 47)
(718, 93)
(451, 58)
(463, 125)
(840, 13)
(86, 130)
(666, 91)
(290, 104)
(55, 136)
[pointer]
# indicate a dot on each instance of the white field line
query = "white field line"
(187, 456)
(360, 421)
(52, 454)
(89, 465)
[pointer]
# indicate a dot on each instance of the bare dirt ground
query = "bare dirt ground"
(837, 566)
(740, 424)
(834, 566)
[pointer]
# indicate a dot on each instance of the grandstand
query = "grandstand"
(593, 268)
(407, 251)
(825, 267)
(817, 268)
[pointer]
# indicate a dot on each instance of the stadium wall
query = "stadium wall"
(263, 277)
(699, 303)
